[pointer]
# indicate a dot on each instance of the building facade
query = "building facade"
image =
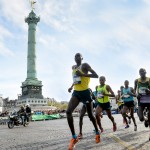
(1, 104)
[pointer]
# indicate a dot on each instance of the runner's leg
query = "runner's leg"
(82, 113)
(140, 113)
(112, 119)
(124, 112)
(91, 116)
(98, 118)
(93, 119)
(71, 106)
(132, 115)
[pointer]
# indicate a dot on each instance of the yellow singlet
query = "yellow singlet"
(80, 83)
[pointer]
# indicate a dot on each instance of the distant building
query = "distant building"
(36, 104)
(32, 102)
(1, 104)
(8, 105)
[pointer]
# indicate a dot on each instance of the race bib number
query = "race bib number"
(76, 79)
(100, 95)
(126, 96)
(142, 90)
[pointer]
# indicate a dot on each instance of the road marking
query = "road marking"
(125, 144)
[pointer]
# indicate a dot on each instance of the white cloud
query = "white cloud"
(4, 34)
(4, 51)
(54, 14)
(15, 11)
(11, 87)
(147, 2)
(63, 15)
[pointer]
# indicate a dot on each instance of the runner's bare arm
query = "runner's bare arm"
(135, 85)
(87, 69)
(117, 99)
(70, 89)
(132, 93)
(148, 88)
(110, 91)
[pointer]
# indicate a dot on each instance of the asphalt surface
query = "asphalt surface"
(55, 135)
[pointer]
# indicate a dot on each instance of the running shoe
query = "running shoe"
(127, 126)
(97, 138)
(72, 143)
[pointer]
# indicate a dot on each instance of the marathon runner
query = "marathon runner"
(81, 93)
(142, 87)
(119, 102)
(120, 106)
(128, 98)
(103, 93)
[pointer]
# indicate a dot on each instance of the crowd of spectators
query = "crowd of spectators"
(4, 114)
(38, 112)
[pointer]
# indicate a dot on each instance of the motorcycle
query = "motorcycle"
(17, 120)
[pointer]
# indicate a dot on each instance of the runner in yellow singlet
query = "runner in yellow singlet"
(119, 101)
(103, 93)
(81, 93)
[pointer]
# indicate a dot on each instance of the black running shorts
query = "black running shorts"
(83, 96)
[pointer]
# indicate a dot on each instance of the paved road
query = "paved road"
(55, 135)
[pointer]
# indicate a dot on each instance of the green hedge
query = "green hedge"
(45, 117)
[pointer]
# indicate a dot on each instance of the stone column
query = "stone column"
(32, 21)
(31, 87)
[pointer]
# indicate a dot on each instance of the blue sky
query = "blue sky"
(113, 37)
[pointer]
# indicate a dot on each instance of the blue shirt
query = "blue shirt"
(126, 96)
